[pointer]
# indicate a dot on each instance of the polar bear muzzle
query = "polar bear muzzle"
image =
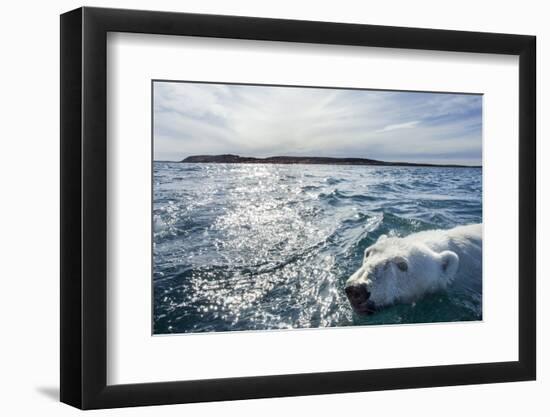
(358, 296)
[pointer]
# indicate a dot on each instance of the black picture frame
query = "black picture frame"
(84, 207)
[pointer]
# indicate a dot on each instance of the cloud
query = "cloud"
(196, 118)
(399, 126)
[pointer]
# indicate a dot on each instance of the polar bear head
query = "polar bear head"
(398, 270)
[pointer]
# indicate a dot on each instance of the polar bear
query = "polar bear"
(402, 270)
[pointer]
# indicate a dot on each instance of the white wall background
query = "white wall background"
(29, 300)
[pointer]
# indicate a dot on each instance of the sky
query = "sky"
(260, 121)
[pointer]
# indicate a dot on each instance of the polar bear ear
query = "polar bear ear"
(449, 264)
(381, 238)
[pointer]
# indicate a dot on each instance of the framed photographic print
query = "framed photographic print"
(258, 207)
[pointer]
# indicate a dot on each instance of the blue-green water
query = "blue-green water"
(257, 247)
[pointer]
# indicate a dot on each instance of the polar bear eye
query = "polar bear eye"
(401, 264)
(367, 253)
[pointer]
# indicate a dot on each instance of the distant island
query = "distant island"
(317, 160)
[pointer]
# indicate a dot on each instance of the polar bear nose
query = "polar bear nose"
(357, 294)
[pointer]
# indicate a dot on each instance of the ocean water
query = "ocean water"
(259, 247)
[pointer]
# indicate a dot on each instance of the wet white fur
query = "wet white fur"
(434, 260)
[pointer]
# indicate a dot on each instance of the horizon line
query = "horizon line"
(335, 158)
